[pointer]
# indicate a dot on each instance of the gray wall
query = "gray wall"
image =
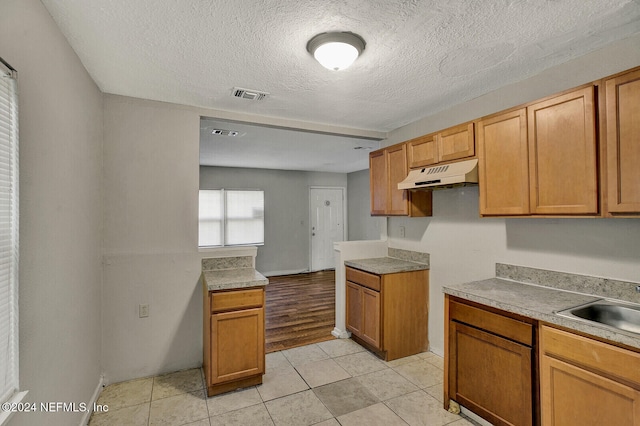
(362, 226)
(464, 247)
(286, 247)
(60, 111)
(149, 191)
(151, 181)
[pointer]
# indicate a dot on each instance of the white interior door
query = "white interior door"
(327, 225)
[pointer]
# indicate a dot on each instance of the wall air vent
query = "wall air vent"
(440, 169)
(252, 95)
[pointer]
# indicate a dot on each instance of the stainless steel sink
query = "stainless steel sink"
(622, 316)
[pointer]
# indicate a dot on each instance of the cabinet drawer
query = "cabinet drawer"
(492, 322)
(365, 279)
(617, 363)
(236, 299)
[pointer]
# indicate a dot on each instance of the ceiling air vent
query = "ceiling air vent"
(252, 95)
(223, 132)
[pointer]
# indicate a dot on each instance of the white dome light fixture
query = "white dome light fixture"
(336, 51)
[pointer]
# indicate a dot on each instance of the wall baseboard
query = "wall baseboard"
(289, 272)
(92, 402)
(340, 334)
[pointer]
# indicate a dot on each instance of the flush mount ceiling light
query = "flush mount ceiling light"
(336, 51)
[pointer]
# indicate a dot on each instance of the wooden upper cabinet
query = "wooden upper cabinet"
(379, 186)
(563, 154)
(623, 143)
(451, 144)
(422, 151)
(387, 168)
(398, 198)
(503, 168)
(456, 142)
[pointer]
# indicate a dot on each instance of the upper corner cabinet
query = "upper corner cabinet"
(387, 168)
(623, 143)
(563, 168)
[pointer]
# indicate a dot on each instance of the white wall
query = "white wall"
(148, 189)
(150, 244)
(151, 181)
(60, 111)
(464, 247)
(287, 234)
(362, 226)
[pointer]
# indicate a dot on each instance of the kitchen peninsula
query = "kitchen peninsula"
(387, 303)
(233, 323)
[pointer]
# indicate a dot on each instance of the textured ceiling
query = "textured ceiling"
(275, 148)
(421, 56)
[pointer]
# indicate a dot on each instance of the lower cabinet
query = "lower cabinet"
(234, 353)
(587, 382)
(364, 313)
(495, 368)
(388, 313)
(489, 362)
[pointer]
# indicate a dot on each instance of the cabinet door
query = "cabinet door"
(562, 154)
(456, 142)
(354, 308)
(422, 151)
(371, 317)
(503, 164)
(237, 345)
(398, 198)
(587, 382)
(571, 396)
(387, 168)
(490, 375)
(379, 178)
(623, 143)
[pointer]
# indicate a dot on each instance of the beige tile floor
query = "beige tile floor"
(330, 383)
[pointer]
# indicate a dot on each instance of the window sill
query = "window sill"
(229, 251)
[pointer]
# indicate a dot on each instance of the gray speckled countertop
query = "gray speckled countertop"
(398, 260)
(385, 265)
(537, 302)
(228, 279)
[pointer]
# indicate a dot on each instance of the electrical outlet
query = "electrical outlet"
(143, 311)
(402, 232)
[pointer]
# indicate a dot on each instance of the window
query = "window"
(9, 383)
(231, 217)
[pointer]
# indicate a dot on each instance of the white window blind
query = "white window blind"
(231, 217)
(211, 218)
(9, 382)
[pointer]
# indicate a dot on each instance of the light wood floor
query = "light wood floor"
(300, 310)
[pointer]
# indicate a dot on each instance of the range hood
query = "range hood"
(450, 175)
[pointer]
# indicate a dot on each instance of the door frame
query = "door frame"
(344, 218)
